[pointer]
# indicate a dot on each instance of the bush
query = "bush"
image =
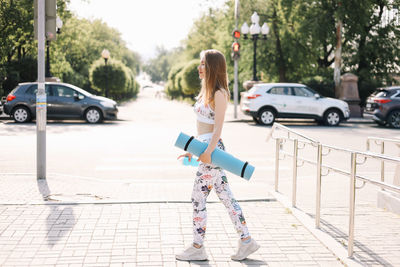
(121, 80)
(324, 86)
(173, 87)
(113, 73)
(190, 78)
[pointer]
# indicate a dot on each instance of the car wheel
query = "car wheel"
(266, 116)
(332, 117)
(93, 115)
(21, 114)
(394, 119)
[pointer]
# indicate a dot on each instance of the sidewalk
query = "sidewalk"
(39, 226)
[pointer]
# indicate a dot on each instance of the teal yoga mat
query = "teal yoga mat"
(219, 157)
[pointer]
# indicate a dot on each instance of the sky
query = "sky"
(146, 24)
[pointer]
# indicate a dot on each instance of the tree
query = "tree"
(77, 47)
(190, 78)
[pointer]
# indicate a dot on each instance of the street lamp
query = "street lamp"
(255, 31)
(106, 55)
(59, 25)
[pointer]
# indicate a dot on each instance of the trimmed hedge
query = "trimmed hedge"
(190, 78)
(121, 80)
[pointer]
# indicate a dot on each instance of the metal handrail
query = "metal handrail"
(352, 174)
(289, 131)
(381, 142)
(388, 140)
(344, 172)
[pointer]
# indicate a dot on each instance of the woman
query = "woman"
(210, 110)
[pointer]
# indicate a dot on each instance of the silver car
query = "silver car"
(64, 101)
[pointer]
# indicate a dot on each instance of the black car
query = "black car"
(64, 101)
(2, 101)
(384, 105)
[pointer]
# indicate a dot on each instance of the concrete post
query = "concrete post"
(348, 91)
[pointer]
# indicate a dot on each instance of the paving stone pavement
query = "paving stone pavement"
(62, 232)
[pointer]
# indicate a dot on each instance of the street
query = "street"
(139, 147)
(133, 160)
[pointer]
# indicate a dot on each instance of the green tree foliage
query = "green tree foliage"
(16, 18)
(301, 44)
(372, 47)
(113, 75)
(173, 87)
(190, 78)
(159, 67)
(118, 78)
(81, 43)
(71, 55)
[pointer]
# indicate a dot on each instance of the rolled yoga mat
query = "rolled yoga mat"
(219, 157)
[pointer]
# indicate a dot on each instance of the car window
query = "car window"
(302, 91)
(280, 91)
(32, 90)
(63, 91)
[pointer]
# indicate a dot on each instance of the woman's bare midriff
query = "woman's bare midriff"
(203, 128)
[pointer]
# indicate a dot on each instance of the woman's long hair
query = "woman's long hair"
(216, 77)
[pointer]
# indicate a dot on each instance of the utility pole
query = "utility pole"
(41, 100)
(235, 66)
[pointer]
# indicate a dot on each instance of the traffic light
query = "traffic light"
(51, 16)
(235, 50)
(236, 34)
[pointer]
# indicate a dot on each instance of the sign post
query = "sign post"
(41, 100)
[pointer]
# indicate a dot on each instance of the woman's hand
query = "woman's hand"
(186, 155)
(205, 157)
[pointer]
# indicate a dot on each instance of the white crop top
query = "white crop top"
(204, 112)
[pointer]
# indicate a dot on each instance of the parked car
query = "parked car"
(1, 105)
(384, 105)
(267, 101)
(64, 101)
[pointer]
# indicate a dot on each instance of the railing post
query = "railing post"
(277, 148)
(318, 200)
(352, 203)
(294, 184)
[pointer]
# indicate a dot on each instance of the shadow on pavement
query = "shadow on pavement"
(253, 263)
(367, 254)
(60, 220)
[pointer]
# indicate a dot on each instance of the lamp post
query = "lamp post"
(59, 25)
(255, 31)
(106, 55)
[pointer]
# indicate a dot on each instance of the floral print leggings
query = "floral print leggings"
(208, 177)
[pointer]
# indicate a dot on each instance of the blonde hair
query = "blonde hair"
(216, 77)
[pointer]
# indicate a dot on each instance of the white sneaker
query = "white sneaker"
(192, 254)
(245, 250)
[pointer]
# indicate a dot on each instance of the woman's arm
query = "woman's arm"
(221, 102)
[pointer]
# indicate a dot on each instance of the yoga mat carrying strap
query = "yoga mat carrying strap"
(188, 142)
(244, 169)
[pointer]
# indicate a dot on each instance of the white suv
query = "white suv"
(267, 101)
